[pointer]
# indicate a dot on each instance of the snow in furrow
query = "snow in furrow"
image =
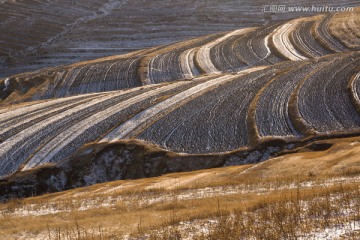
(323, 35)
(355, 87)
(17, 144)
(187, 63)
(4, 117)
(23, 121)
(46, 153)
(203, 54)
(282, 42)
(123, 130)
(324, 102)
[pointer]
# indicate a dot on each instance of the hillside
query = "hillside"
(225, 99)
(154, 120)
(295, 40)
(42, 33)
(317, 199)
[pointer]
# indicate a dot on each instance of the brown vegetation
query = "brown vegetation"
(166, 206)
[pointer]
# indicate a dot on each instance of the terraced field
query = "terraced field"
(295, 40)
(231, 113)
(241, 96)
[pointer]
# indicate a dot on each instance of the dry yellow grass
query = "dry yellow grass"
(135, 207)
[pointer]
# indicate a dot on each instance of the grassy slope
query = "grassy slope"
(136, 206)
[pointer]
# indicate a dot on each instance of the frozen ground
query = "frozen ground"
(63, 32)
